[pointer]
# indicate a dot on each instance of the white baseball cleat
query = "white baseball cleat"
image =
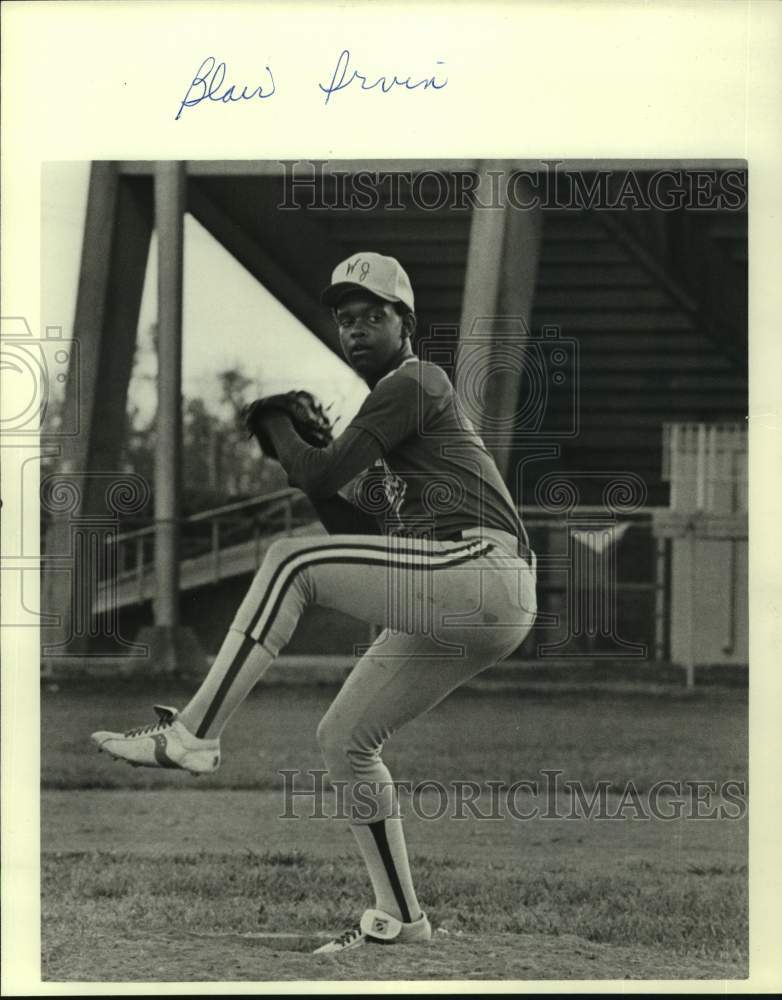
(165, 743)
(378, 927)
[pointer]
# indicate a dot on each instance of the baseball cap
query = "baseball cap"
(383, 276)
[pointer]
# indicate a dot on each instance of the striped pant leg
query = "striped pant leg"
(401, 677)
(384, 581)
(387, 688)
(378, 580)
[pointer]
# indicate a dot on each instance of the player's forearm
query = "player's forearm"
(321, 472)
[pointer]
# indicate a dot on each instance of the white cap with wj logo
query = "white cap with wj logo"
(383, 276)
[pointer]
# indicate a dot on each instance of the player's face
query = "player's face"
(371, 332)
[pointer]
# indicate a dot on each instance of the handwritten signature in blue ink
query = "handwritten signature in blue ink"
(207, 82)
(343, 78)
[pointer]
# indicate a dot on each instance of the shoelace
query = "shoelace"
(348, 937)
(153, 727)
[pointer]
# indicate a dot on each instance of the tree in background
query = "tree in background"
(234, 390)
(219, 463)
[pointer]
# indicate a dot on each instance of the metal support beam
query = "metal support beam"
(283, 250)
(169, 221)
(263, 266)
(502, 264)
(171, 648)
(115, 248)
(274, 168)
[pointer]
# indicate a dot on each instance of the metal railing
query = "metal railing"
(641, 585)
(211, 531)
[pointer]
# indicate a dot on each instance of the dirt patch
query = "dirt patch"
(250, 959)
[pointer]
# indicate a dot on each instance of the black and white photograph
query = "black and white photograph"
(343, 443)
(386, 548)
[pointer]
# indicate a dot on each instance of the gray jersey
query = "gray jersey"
(436, 474)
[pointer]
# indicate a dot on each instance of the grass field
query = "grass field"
(154, 876)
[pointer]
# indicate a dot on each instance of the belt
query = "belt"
(465, 534)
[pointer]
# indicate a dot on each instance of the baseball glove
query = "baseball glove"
(309, 419)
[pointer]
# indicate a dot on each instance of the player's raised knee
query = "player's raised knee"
(282, 548)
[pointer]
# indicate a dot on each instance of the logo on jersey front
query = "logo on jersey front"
(380, 491)
(395, 488)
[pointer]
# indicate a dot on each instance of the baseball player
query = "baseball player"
(424, 540)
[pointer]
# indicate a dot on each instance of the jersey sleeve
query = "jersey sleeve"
(400, 405)
(322, 472)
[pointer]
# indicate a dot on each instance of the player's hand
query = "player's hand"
(307, 415)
